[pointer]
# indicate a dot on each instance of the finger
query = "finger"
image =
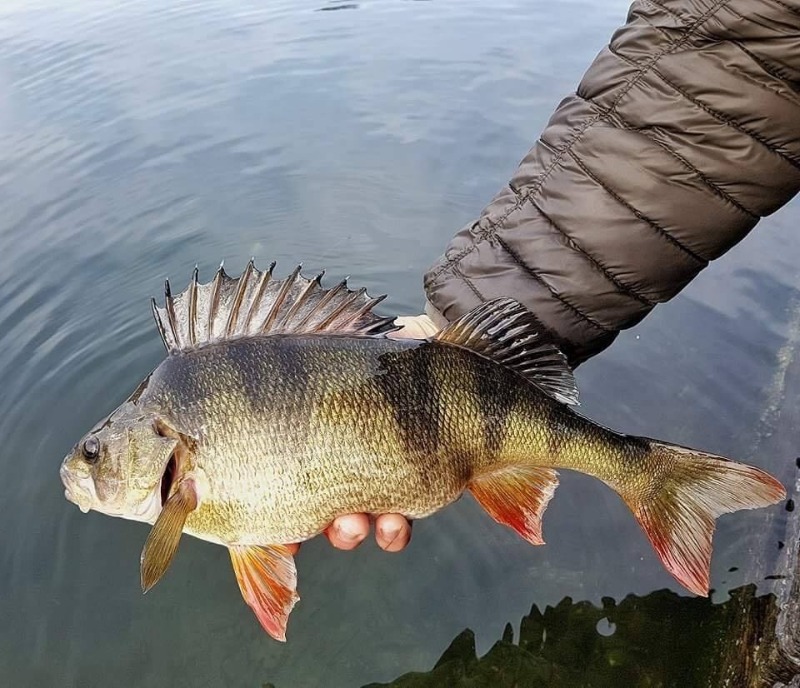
(414, 327)
(293, 548)
(392, 531)
(348, 532)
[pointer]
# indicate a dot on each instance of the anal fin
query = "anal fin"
(268, 580)
(517, 497)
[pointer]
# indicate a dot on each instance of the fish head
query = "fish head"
(122, 466)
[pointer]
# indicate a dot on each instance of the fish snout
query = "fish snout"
(79, 489)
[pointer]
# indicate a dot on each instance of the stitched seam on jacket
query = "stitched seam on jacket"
(773, 69)
(712, 186)
(670, 47)
(668, 11)
(790, 158)
(730, 122)
(770, 68)
(791, 9)
(610, 276)
(659, 230)
(664, 33)
(619, 121)
(761, 61)
(717, 190)
(470, 285)
(537, 276)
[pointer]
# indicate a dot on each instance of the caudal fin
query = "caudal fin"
(679, 518)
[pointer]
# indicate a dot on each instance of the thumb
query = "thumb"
(414, 327)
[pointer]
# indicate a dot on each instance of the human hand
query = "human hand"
(392, 531)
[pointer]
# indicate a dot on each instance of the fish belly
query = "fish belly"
(265, 505)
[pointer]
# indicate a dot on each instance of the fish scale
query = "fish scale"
(282, 405)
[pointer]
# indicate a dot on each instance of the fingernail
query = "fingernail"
(390, 532)
(347, 534)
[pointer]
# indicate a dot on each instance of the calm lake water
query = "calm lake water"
(140, 138)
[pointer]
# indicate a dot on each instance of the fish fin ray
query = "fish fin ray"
(517, 497)
(679, 520)
(256, 304)
(508, 333)
(162, 542)
(267, 579)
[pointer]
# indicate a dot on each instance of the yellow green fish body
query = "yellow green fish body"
(281, 406)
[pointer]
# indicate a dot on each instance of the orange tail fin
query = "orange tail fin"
(679, 519)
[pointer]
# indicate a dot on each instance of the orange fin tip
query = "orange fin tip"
(267, 578)
(679, 519)
(517, 497)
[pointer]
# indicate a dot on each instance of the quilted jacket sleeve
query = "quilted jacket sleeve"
(682, 134)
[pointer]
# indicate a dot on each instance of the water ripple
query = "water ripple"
(140, 138)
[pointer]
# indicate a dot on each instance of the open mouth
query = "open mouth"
(168, 478)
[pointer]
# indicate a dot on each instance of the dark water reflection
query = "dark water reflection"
(139, 138)
(659, 639)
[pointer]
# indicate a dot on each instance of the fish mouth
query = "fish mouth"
(168, 479)
(78, 489)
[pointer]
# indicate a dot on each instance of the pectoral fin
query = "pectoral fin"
(268, 580)
(162, 543)
(517, 496)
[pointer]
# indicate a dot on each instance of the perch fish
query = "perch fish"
(281, 405)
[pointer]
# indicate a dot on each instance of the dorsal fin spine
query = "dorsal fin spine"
(253, 305)
(159, 323)
(506, 332)
(317, 282)
(364, 309)
(266, 276)
(170, 304)
(193, 307)
(325, 324)
(269, 321)
(347, 317)
(330, 295)
(244, 282)
(214, 300)
(301, 300)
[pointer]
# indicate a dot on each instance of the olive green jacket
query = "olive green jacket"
(683, 133)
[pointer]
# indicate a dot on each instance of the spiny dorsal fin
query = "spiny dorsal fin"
(257, 304)
(507, 332)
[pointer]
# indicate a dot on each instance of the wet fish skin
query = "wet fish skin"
(291, 432)
(281, 406)
(294, 431)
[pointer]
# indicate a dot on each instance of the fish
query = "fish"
(281, 405)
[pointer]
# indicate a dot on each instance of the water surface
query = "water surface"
(140, 138)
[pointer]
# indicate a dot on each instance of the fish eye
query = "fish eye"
(91, 449)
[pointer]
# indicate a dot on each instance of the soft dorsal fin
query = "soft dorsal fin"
(256, 304)
(507, 332)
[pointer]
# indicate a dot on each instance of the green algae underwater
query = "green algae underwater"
(561, 646)
(659, 640)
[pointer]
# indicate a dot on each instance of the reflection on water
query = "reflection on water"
(660, 639)
(140, 138)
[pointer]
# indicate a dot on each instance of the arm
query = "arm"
(683, 133)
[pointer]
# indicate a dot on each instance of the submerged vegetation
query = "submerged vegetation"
(659, 640)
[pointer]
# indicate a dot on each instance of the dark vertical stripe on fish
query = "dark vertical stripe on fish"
(496, 401)
(409, 388)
